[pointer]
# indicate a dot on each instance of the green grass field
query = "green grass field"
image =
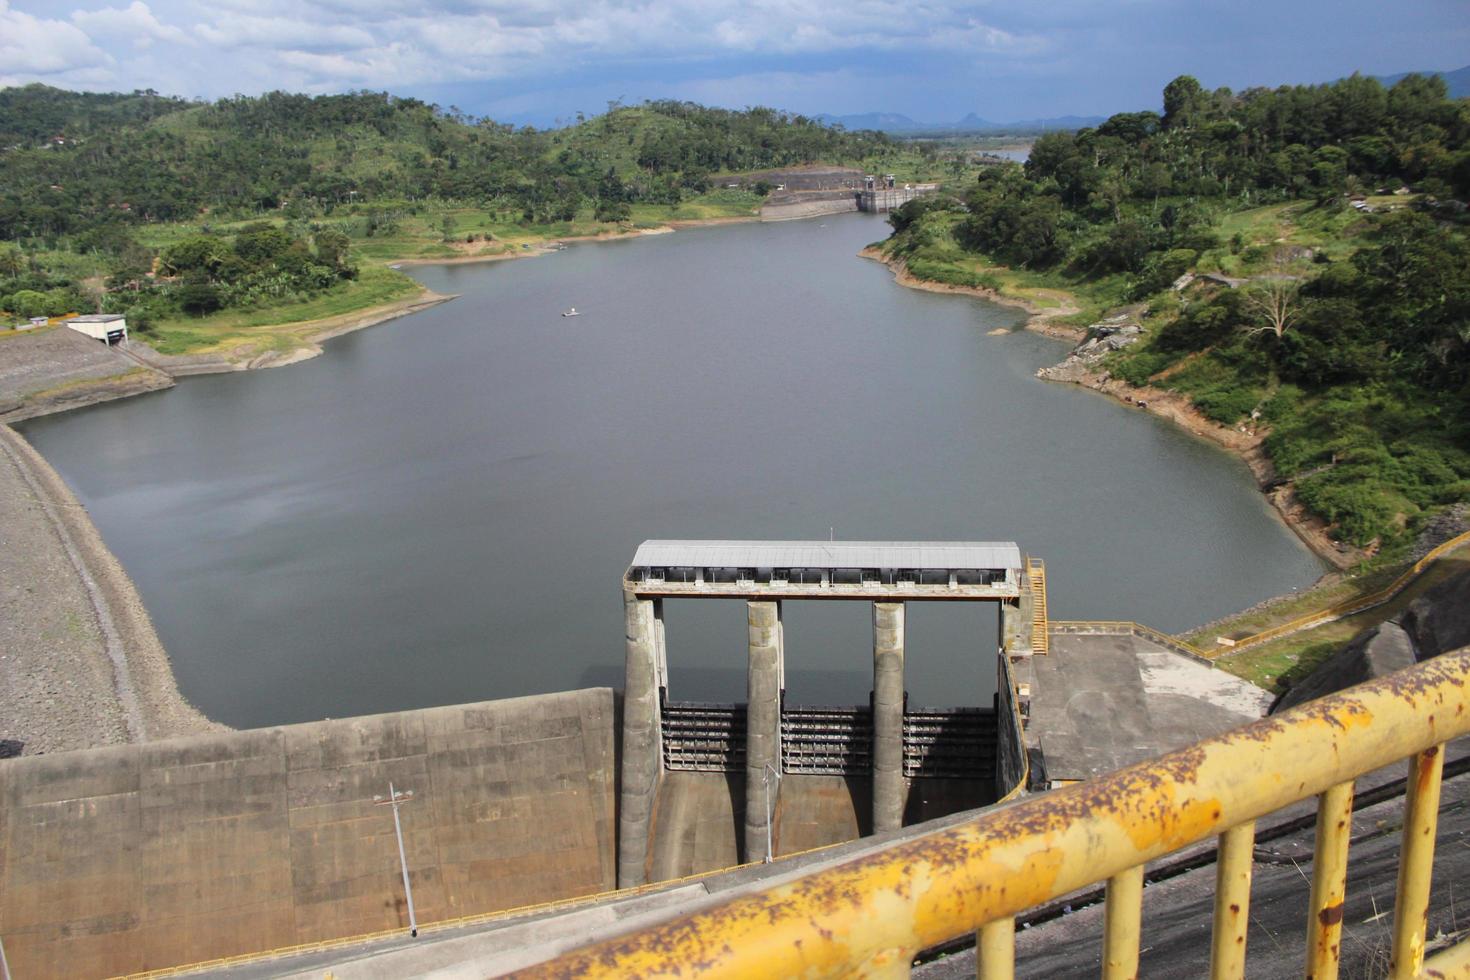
(284, 326)
(1274, 665)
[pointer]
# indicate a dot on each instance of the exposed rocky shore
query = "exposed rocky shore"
(80, 663)
(1083, 366)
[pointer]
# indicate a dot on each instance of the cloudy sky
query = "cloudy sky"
(542, 61)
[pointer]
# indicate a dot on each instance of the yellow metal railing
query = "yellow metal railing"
(872, 915)
(1040, 631)
(1112, 626)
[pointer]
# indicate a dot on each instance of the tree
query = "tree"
(199, 298)
(199, 253)
(331, 247)
(1273, 299)
(1184, 98)
(12, 261)
(28, 303)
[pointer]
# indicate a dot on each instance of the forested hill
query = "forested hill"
(69, 161)
(1297, 259)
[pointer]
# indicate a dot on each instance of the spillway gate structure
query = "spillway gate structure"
(886, 742)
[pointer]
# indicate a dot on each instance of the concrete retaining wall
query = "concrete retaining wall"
(138, 857)
(809, 208)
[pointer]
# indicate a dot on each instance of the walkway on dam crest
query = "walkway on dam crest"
(1144, 698)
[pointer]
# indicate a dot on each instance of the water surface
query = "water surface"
(439, 509)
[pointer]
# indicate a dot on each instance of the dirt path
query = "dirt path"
(80, 663)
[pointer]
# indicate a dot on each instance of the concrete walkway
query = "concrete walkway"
(1102, 702)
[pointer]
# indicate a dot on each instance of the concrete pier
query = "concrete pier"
(642, 762)
(888, 782)
(763, 720)
(1015, 624)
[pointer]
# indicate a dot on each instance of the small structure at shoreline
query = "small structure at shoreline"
(110, 328)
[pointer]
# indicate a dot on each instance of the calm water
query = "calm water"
(439, 509)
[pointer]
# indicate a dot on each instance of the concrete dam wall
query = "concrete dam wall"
(126, 859)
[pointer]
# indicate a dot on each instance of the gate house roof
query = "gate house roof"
(828, 554)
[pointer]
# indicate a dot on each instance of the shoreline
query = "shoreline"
(1039, 318)
(1246, 446)
(109, 644)
(315, 333)
(540, 249)
(144, 688)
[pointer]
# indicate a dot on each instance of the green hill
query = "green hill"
(1328, 231)
(159, 207)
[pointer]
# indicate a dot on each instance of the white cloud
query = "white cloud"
(236, 30)
(134, 23)
(31, 46)
(324, 45)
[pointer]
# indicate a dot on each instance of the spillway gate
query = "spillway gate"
(938, 743)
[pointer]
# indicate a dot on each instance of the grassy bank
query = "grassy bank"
(1276, 665)
(280, 327)
(931, 252)
(383, 234)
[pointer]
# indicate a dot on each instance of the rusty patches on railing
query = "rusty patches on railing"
(894, 902)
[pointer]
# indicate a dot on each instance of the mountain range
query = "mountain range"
(1457, 81)
(893, 122)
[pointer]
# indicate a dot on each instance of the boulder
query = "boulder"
(1435, 623)
(1374, 652)
(1439, 620)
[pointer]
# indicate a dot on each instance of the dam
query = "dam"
(823, 774)
(152, 856)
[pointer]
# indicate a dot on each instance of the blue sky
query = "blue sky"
(543, 61)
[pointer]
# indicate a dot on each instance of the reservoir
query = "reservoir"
(438, 509)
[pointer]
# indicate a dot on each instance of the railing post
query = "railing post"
(1416, 862)
(995, 957)
(1121, 924)
(1329, 881)
(1232, 901)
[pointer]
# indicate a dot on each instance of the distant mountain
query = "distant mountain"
(896, 123)
(974, 122)
(1458, 81)
(885, 122)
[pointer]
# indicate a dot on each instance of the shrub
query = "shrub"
(1138, 368)
(1226, 405)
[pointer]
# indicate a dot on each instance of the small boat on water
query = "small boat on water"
(571, 312)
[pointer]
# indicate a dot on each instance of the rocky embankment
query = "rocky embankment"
(790, 205)
(1083, 364)
(1437, 622)
(80, 663)
(54, 369)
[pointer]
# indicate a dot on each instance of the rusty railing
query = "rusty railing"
(871, 916)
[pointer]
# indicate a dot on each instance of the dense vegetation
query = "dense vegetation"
(130, 159)
(97, 190)
(1336, 312)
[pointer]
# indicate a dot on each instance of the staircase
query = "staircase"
(1040, 628)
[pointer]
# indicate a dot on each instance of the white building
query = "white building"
(110, 328)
